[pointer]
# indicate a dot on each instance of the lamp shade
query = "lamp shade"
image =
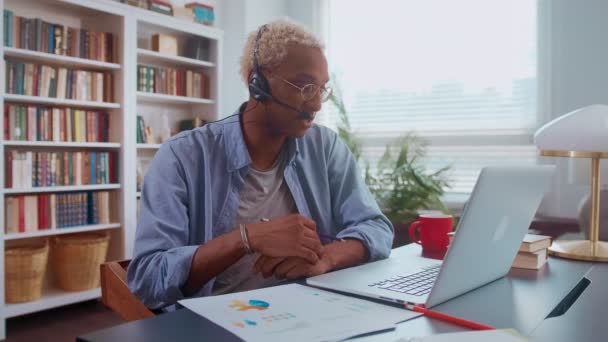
(585, 129)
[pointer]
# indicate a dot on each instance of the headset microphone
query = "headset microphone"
(301, 115)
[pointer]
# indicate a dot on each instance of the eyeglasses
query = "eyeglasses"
(309, 91)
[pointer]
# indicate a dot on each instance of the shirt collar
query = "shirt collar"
(237, 154)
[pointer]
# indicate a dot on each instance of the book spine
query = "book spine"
(21, 201)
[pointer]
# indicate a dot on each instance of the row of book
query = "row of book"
(39, 123)
(39, 35)
(144, 133)
(30, 213)
(160, 7)
(62, 83)
(27, 170)
(170, 81)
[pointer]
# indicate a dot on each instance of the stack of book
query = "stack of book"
(532, 252)
(203, 14)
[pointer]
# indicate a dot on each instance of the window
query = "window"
(462, 74)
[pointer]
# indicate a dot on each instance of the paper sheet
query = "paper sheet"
(296, 313)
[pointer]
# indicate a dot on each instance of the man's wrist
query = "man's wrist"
(329, 258)
(252, 236)
(236, 241)
(347, 253)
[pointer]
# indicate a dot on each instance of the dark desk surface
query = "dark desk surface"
(521, 300)
(587, 318)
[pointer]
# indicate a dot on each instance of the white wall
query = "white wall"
(305, 12)
(237, 18)
(233, 89)
(578, 66)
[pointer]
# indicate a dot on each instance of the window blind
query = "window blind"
(461, 74)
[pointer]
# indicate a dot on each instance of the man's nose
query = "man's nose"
(314, 104)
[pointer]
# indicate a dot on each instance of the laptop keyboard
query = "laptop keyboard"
(416, 284)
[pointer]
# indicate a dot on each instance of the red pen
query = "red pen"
(448, 318)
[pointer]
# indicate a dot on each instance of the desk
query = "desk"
(521, 300)
(586, 318)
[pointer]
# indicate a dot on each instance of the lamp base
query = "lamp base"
(580, 250)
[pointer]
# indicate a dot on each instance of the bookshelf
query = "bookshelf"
(144, 97)
(161, 109)
(153, 57)
(53, 144)
(63, 188)
(42, 57)
(59, 231)
(132, 29)
(12, 98)
(51, 298)
(148, 146)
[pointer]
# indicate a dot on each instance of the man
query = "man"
(247, 201)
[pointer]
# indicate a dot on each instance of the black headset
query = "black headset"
(259, 88)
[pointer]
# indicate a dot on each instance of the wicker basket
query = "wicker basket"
(24, 269)
(75, 260)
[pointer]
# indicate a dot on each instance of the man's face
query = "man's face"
(302, 66)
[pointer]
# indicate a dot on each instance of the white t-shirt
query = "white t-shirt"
(264, 195)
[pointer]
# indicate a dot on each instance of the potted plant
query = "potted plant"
(400, 181)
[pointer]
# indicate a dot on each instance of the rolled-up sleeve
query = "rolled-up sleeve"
(354, 207)
(161, 257)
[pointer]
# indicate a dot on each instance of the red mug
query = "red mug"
(434, 229)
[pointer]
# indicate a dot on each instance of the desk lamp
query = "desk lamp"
(582, 133)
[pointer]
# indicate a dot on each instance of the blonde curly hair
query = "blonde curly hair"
(272, 49)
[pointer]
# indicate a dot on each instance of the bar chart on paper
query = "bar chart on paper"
(296, 313)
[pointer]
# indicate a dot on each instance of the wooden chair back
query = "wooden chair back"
(116, 295)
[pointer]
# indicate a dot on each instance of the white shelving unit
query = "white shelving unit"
(41, 57)
(159, 108)
(170, 99)
(148, 146)
(153, 57)
(133, 28)
(34, 190)
(58, 102)
(51, 298)
(54, 144)
(59, 231)
(87, 15)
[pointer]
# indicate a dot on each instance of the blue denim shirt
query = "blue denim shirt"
(191, 192)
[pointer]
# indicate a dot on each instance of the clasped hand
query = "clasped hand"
(290, 248)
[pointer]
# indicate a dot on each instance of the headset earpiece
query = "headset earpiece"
(259, 88)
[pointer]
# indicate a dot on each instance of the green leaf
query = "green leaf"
(401, 185)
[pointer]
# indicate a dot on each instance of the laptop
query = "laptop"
(491, 229)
